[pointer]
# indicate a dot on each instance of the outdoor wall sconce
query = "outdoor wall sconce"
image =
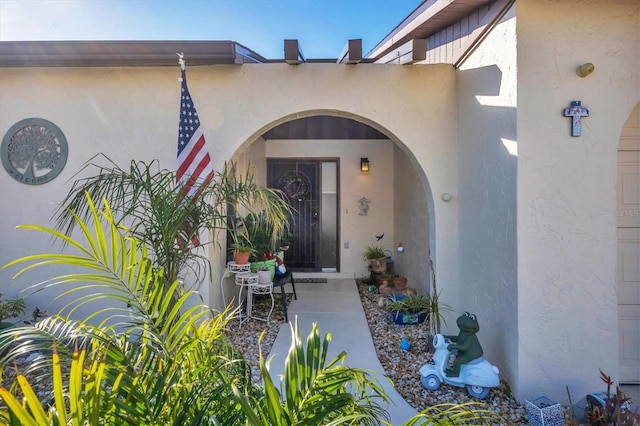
(364, 164)
(585, 69)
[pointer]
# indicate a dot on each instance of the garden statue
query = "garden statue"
(280, 268)
(465, 345)
(469, 368)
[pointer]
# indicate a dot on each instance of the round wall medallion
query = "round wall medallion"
(34, 151)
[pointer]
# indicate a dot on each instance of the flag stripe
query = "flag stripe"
(198, 175)
(192, 153)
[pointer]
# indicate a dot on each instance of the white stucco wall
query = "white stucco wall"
(98, 110)
(566, 248)
(486, 195)
(132, 113)
(412, 222)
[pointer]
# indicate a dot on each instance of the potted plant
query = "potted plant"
(265, 235)
(411, 309)
(242, 251)
(375, 255)
(265, 274)
(10, 309)
(610, 408)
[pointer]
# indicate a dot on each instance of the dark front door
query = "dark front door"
(299, 180)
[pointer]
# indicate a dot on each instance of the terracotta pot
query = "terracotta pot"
(378, 265)
(385, 281)
(400, 283)
(241, 258)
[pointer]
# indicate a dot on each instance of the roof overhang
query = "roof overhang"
(427, 19)
(123, 53)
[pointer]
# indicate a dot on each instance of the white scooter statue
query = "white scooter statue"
(478, 375)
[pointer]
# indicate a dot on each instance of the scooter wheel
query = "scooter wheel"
(430, 382)
(479, 392)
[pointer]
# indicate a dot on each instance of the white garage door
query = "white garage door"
(628, 212)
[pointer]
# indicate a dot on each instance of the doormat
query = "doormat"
(309, 280)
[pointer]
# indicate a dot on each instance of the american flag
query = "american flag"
(194, 169)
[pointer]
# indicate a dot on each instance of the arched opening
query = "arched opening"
(400, 206)
(627, 215)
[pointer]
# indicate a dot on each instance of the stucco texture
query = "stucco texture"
(486, 91)
(132, 113)
(567, 312)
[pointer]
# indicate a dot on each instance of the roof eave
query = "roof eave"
(122, 53)
(427, 19)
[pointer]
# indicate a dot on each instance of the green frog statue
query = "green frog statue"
(465, 345)
(469, 369)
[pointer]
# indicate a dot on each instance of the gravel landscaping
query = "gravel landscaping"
(401, 366)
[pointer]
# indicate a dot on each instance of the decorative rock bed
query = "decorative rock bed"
(401, 366)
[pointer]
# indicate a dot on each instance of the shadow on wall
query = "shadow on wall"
(487, 178)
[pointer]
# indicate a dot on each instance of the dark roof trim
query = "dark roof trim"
(123, 53)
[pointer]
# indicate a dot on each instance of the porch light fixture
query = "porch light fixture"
(364, 164)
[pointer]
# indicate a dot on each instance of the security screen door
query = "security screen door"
(310, 187)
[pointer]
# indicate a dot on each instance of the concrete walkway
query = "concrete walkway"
(336, 307)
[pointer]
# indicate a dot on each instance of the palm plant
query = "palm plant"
(145, 362)
(10, 308)
(316, 392)
(148, 363)
(146, 200)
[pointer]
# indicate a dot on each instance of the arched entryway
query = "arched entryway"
(628, 234)
(308, 173)
(399, 194)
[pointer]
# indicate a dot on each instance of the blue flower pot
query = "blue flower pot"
(406, 319)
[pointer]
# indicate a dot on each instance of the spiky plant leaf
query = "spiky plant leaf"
(315, 392)
(156, 363)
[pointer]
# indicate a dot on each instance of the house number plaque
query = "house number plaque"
(34, 151)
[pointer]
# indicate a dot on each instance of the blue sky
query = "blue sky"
(322, 26)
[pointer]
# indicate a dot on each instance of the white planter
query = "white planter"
(264, 277)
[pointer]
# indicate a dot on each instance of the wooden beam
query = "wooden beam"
(292, 53)
(352, 52)
(413, 51)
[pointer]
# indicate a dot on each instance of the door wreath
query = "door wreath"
(295, 185)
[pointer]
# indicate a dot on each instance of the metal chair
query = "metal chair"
(281, 281)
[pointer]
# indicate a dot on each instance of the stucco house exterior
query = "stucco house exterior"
(534, 230)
